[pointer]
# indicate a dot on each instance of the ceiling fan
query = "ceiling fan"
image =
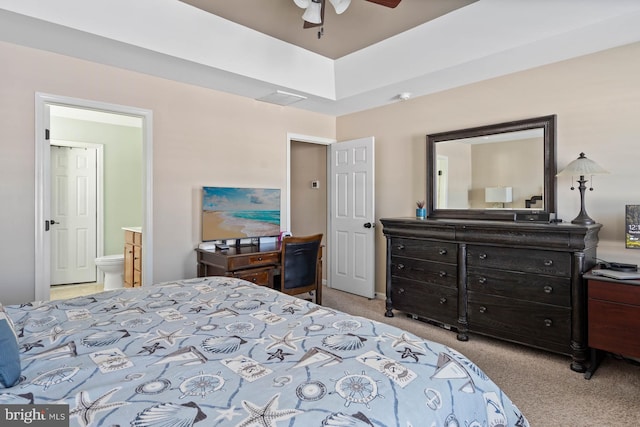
(313, 15)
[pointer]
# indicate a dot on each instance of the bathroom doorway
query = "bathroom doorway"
(68, 119)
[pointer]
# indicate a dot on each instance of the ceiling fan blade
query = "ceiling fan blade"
(308, 24)
(388, 3)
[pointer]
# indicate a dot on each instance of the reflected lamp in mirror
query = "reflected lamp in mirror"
(498, 195)
(582, 166)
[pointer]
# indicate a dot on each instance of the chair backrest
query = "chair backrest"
(300, 261)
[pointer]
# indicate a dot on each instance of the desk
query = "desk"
(257, 264)
(613, 312)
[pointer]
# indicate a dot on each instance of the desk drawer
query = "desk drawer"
(253, 260)
(259, 276)
(525, 260)
(431, 250)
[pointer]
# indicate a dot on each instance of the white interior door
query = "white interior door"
(352, 222)
(73, 214)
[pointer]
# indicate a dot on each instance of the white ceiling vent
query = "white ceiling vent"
(281, 97)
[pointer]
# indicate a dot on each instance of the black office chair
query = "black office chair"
(301, 266)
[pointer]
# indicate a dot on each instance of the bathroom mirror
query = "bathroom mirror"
(492, 172)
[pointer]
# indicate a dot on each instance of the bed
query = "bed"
(220, 351)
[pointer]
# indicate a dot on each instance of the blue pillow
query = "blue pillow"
(9, 352)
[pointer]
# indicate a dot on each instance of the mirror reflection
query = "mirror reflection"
(500, 171)
(492, 172)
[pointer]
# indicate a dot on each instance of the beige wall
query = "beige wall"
(596, 99)
(203, 137)
(309, 205)
(200, 137)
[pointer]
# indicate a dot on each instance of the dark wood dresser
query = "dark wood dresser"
(614, 318)
(515, 281)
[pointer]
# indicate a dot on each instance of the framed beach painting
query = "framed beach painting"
(239, 213)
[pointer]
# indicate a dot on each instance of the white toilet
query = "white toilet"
(113, 268)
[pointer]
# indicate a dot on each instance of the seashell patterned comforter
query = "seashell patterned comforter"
(219, 351)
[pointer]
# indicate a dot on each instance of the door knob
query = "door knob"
(53, 222)
(369, 225)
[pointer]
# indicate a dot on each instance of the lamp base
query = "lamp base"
(583, 219)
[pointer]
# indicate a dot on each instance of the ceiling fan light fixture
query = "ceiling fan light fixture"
(313, 13)
(302, 3)
(340, 5)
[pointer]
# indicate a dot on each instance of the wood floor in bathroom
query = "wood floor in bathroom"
(74, 290)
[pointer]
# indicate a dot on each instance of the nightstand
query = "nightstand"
(613, 313)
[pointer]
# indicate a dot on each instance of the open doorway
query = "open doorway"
(97, 123)
(308, 192)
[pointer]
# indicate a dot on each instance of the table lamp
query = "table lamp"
(582, 167)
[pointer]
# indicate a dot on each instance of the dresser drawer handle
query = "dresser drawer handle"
(548, 322)
(443, 300)
(482, 280)
(548, 289)
(548, 262)
(442, 251)
(259, 258)
(483, 309)
(401, 291)
(400, 247)
(482, 256)
(442, 274)
(400, 266)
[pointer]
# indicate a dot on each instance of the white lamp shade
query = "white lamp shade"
(302, 3)
(340, 5)
(313, 13)
(498, 194)
(582, 166)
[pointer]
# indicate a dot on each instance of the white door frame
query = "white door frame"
(99, 193)
(42, 177)
(291, 138)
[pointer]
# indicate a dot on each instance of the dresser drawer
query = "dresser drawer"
(524, 286)
(425, 300)
(540, 325)
(253, 260)
(437, 273)
(526, 260)
(431, 250)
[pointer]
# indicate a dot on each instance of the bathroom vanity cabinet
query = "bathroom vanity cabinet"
(132, 257)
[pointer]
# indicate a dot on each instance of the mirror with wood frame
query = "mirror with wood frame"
(494, 171)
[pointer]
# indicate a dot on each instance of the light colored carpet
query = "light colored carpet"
(541, 384)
